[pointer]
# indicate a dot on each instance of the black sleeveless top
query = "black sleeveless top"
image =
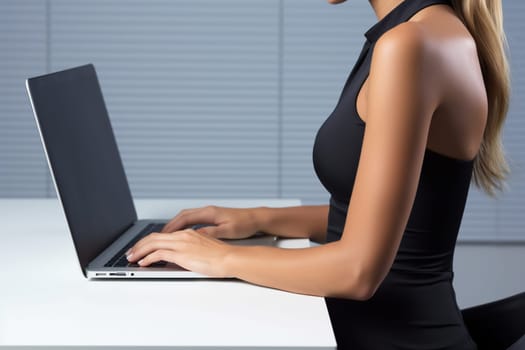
(415, 306)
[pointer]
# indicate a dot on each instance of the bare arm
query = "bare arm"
(237, 223)
(293, 222)
(402, 96)
(400, 107)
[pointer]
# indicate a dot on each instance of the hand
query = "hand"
(228, 223)
(189, 249)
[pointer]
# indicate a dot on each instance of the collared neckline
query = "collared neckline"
(399, 14)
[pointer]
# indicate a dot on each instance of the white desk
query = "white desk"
(46, 301)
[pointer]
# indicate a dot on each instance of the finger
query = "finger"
(158, 255)
(148, 248)
(181, 220)
(184, 235)
(212, 231)
(189, 217)
(177, 221)
(155, 236)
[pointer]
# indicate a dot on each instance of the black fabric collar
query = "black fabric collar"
(401, 13)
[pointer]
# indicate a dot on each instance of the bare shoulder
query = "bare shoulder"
(404, 60)
(406, 43)
(433, 61)
(435, 36)
(435, 33)
(423, 55)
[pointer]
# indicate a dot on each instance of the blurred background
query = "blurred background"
(222, 99)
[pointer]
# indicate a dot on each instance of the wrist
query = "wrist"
(259, 218)
(228, 264)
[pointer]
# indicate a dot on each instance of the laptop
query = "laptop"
(89, 177)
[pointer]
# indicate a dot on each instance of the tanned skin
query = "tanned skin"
(425, 90)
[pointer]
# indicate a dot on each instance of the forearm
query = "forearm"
(293, 222)
(321, 271)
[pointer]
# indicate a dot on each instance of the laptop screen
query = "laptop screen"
(84, 158)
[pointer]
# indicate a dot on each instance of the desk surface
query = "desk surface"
(45, 300)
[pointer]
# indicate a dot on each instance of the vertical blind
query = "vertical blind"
(23, 53)
(215, 99)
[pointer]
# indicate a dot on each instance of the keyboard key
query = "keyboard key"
(117, 259)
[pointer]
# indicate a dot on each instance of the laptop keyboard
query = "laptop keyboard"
(120, 260)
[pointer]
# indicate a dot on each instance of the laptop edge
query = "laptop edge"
(96, 269)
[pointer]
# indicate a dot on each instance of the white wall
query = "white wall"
(486, 272)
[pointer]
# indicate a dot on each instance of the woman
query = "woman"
(420, 113)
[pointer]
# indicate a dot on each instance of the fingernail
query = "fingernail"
(129, 256)
(129, 251)
(140, 262)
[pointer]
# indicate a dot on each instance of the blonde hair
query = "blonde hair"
(484, 20)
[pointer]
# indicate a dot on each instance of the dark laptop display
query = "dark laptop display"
(84, 158)
(87, 169)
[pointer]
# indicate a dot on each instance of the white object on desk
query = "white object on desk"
(62, 308)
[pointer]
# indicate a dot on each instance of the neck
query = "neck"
(384, 7)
